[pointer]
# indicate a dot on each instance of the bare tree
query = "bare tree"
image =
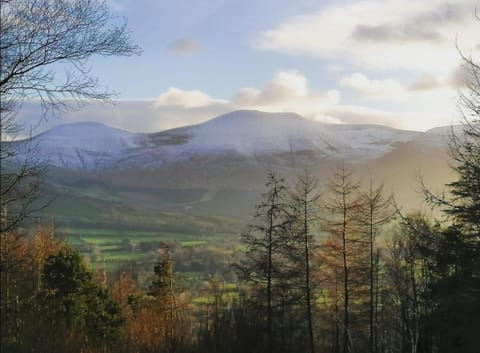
(44, 51)
(341, 220)
(265, 262)
(378, 212)
(305, 204)
(37, 34)
(410, 276)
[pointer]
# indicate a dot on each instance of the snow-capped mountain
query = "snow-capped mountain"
(85, 145)
(257, 134)
(250, 135)
(219, 167)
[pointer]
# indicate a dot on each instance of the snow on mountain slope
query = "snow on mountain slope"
(248, 135)
(255, 134)
(439, 137)
(86, 145)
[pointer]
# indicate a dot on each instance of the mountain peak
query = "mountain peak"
(82, 128)
(253, 115)
(84, 145)
(246, 134)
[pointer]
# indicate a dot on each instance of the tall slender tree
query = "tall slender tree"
(264, 265)
(342, 211)
(378, 211)
(409, 277)
(305, 206)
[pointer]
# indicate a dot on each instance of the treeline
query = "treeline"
(346, 271)
(52, 302)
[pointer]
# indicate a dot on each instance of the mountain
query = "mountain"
(256, 135)
(219, 167)
(85, 145)
(268, 138)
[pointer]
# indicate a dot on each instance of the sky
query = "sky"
(390, 62)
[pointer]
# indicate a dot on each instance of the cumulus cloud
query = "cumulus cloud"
(351, 114)
(287, 92)
(186, 99)
(426, 86)
(132, 115)
(370, 87)
(413, 120)
(184, 46)
(380, 34)
(285, 86)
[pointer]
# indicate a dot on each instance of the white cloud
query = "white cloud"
(426, 88)
(410, 120)
(287, 92)
(376, 88)
(287, 85)
(351, 114)
(380, 34)
(133, 115)
(186, 99)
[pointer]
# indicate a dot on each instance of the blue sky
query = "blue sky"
(391, 62)
(220, 58)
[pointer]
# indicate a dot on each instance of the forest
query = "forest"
(334, 267)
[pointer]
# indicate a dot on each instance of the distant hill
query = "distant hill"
(219, 167)
(240, 134)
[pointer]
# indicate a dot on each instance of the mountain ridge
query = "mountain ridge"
(239, 134)
(218, 167)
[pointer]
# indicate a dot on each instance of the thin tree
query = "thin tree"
(263, 266)
(341, 221)
(305, 205)
(410, 275)
(378, 212)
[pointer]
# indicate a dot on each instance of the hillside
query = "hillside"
(218, 168)
(271, 139)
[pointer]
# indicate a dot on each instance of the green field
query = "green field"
(117, 246)
(113, 232)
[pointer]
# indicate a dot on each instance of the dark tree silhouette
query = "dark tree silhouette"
(264, 265)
